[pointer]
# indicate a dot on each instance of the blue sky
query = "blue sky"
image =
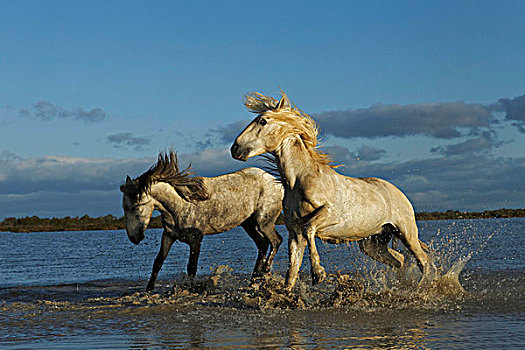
(429, 95)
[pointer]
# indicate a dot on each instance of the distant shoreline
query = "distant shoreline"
(110, 222)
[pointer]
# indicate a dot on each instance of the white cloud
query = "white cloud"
(62, 186)
(46, 110)
(478, 144)
(124, 139)
(439, 120)
(514, 109)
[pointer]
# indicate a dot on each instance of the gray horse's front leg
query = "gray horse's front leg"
(165, 246)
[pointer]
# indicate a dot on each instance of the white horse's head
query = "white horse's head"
(276, 122)
(138, 209)
(265, 133)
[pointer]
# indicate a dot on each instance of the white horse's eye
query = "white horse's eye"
(262, 121)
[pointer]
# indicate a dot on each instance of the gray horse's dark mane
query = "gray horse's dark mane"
(187, 185)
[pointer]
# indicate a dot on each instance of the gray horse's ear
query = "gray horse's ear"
(123, 187)
(283, 103)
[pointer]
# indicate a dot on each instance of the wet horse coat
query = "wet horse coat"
(318, 201)
(193, 207)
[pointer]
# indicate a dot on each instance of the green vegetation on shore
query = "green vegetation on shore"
(84, 223)
(462, 215)
(110, 222)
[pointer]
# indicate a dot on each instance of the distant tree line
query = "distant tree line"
(110, 222)
(84, 223)
(461, 215)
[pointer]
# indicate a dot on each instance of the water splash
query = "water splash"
(452, 248)
(448, 284)
(371, 285)
(356, 282)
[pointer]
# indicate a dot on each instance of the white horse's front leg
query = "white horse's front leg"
(296, 246)
(318, 272)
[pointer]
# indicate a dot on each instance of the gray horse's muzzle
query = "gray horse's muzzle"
(136, 239)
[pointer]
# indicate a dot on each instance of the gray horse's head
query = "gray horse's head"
(138, 202)
(137, 210)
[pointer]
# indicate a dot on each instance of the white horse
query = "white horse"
(318, 201)
(192, 207)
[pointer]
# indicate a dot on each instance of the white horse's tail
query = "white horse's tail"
(425, 247)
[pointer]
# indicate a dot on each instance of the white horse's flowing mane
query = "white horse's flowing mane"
(297, 122)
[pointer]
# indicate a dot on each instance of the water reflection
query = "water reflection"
(304, 330)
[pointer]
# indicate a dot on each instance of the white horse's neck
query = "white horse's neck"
(293, 160)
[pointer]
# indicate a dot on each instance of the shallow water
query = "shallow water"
(86, 290)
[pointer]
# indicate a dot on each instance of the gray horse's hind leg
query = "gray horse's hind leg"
(376, 247)
(265, 225)
(262, 244)
(195, 249)
(165, 246)
(275, 242)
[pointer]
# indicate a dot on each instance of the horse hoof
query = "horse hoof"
(256, 276)
(318, 276)
(428, 276)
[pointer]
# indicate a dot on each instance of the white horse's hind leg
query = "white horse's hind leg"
(397, 255)
(376, 247)
(409, 236)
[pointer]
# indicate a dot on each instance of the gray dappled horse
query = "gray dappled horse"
(192, 207)
(318, 201)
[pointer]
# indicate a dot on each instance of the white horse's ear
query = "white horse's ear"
(283, 103)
